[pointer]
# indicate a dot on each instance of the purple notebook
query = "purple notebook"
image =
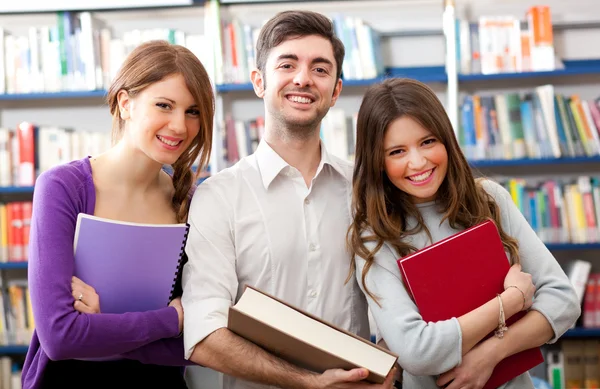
(132, 266)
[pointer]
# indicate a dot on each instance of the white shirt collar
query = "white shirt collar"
(271, 164)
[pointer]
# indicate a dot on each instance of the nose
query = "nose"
(303, 78)
(416, 160)
(177, 123)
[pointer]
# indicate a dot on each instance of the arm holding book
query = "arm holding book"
(210, 286)
(532, 330)
(167, 352)
(430, 348)
(554, 310)
(65, 333)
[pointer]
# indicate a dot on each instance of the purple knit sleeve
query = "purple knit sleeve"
(63, 332)
(168, 352)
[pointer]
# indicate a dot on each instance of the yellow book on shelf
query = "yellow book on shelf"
(30, 322)
(579, 213)
(584, 135)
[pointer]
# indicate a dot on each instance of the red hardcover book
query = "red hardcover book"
(458, 274)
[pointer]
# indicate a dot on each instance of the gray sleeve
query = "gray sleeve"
(555, 297)
(423, 348)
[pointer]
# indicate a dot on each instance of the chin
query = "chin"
(164, 160)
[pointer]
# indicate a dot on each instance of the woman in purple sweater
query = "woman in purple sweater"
(162, 106)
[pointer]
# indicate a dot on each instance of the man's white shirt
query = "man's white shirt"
(257, 223)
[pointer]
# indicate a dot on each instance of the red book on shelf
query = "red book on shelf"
(458, 274)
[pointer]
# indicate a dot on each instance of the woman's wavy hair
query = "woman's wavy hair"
(380, 209)
(152, 62)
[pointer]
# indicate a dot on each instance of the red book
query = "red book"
(458, 274)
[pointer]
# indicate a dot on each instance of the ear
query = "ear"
(336, 92)
(258, 82)
(124, 101)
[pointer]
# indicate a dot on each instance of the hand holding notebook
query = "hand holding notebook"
(131, 266)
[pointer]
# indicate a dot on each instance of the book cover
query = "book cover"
(303, 339)
(458, 274)
(132, 266)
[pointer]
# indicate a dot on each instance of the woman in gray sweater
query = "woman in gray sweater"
(413, 187)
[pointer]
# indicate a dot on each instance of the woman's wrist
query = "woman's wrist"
(495, 349)
(512, 299)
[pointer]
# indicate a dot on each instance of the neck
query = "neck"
(130, 168)
(303, 153)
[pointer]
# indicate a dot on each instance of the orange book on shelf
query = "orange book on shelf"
(459, 274)
(540, 23)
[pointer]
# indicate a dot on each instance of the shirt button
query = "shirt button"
(312, 294)
(312, 247)
(306, 201)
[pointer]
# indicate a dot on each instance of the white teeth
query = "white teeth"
(168, 142)
(421, 177)
(298, 99)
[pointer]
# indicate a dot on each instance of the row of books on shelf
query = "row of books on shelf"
(15, 222)
(16, 315)
(30, 149)
(559, 211)
(535, 124)
(574, 364)
(499, 44)
(79, 52)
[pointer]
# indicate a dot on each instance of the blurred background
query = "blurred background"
(520, 81)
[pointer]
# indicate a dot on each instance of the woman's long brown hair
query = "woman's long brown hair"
(380, 209)
(152, 62)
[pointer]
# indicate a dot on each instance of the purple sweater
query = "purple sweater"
(60, 331)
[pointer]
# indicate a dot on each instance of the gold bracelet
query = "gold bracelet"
(523, 294)
(502, 328)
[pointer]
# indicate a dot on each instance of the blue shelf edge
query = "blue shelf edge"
(427, 74)
(572, 68)
(53, 95)
(572, 246)
(582, 333)
(532, 161)
(13, 349)
(15, 189)
(13, 265)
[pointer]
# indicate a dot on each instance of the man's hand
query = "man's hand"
(351, 379)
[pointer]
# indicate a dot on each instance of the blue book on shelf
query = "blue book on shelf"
(132, 266)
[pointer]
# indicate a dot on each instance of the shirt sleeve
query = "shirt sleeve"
(554, 297)
(65, 333)
(209, 277)
(166, 352)
(423, 348)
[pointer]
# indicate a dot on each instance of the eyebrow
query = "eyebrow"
(175, 103)
(314, 61)
(419, 141)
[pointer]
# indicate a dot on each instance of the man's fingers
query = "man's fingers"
(354, 375)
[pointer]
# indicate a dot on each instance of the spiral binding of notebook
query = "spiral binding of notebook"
(176, 288)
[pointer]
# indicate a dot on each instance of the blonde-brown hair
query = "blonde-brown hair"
(381, 209)
(152, 62)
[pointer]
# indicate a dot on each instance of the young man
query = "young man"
(277, 220)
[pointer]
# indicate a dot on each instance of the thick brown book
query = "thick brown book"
(303, 339)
